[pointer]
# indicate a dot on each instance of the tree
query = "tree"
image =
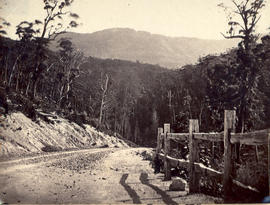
(262, 53)
(3, 22)
(41, 32)
(104, 88)
(4, 50)
(3, 25)
(244, 28)
(242, 21)
(68, 62)
(52, 25)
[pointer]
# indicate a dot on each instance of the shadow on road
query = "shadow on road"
(165, 197)
(130, 191)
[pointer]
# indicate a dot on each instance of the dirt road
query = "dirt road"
(89, 176)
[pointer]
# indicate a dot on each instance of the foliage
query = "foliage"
(141, 97)
(37, 34)
(243, 17)
(4, 24)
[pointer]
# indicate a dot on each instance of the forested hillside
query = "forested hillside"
(133, 99)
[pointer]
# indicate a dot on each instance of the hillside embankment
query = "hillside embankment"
(20, 135)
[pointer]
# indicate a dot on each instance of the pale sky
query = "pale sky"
(186, 18)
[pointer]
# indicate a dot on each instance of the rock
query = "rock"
(177, 185)
(115, 169)
(146, 155)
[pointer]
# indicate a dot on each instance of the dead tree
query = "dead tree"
(104, 88)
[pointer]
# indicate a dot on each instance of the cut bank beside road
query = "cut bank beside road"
(19, 135)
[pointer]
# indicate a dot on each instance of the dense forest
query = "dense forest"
(134, 99)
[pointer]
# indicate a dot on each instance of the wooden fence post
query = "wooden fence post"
(229, 125)
(159, 142)
(167, 167)
(193, 180)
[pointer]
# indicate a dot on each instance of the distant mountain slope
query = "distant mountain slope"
(128, 44)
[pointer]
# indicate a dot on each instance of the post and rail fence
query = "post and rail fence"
(196, 169)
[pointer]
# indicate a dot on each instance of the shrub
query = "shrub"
(51, 148)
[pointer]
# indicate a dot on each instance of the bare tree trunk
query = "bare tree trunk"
(242, 127)
(174, 115)
(114, 121)
(6, 72)
(200, 115)
(123, 126)
(18, 80)
(170, 105)
(136, 132)
(242, 122)
(104, 89)
(101, 111)
(28, 86)
(52, 93)
(12, 71)
(35, 88)
(257, 153)
(189, 106)
(190, 113)
(60, 95)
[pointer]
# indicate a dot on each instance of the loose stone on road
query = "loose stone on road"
(108, 176)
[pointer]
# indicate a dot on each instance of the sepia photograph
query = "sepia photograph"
(134, 101)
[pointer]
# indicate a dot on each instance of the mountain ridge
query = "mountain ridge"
(145, 47)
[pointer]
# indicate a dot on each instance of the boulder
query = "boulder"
(178, 184)
(147, 155)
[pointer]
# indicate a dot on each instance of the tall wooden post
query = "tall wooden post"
(193, 179)
(159, 143)
(229, 125)
(167, 167)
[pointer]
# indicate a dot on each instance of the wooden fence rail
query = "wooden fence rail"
(196, 170)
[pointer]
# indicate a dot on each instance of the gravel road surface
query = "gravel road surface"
(104, 175)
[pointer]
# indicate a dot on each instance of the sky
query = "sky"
(176, 18)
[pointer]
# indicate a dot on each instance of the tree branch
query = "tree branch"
(246, 3)
(241, 12)
(234, 36)
(55, 34)
(60, 13)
